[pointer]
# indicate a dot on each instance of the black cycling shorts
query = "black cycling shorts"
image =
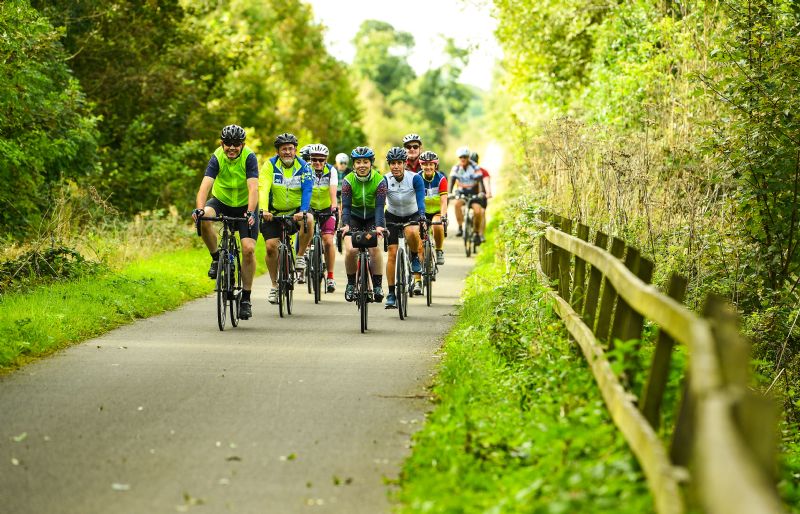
(394, 231)
(429, 217)
(272, 229)
(361, 225)
(244, 229)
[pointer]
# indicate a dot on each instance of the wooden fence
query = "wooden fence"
(723, 442)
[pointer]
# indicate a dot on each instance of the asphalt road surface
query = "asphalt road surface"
(168, 414)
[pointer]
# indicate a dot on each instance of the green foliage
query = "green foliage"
(520, 425)
(382, 55)
(46, 130)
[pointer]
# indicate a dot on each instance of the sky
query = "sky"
(467, 21)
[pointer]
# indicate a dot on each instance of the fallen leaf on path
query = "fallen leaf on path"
(120, 487)
(234, 458)
(14, 461)
(20, 438)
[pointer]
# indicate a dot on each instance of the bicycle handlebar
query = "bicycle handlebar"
(221, 217)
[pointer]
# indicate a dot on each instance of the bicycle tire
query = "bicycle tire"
(316, 274)
(281, 273)
(363, 291)
(309, 271)
(400, 283)
(236, 286)
(468, 233)
(427, 282)
(289, 289)
(222, 289)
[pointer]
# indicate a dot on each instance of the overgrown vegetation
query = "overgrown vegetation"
(519, 424)
(674, 126)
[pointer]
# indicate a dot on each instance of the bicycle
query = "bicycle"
(228, 285)
(404, 278)
(286, 271)
(365, 295)
(315, 258)
(429, 267)
(470, 246)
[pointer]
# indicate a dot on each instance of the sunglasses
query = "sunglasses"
(233, 143)
(317, 159)
(412, 147)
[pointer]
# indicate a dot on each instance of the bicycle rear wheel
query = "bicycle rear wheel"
(401, 286)
(427, 277)
(236, 286)
(281, 281)
(222, 288)
(363, 290)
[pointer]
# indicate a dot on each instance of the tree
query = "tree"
(382, 55)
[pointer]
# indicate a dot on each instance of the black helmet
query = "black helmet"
(233, 134)
(363, 152)
(429, 157)
(396, 154)
(411, 137)
(474, 157)
(285, 139)
(304, 152)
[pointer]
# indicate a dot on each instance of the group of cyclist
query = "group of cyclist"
(304, 186)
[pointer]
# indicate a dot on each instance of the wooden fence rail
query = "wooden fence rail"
(724, 435)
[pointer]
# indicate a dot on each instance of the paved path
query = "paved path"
(303, 414)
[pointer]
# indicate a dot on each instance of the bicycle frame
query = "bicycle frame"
(404, 277)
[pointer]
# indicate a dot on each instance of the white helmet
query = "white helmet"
(318, 149)
(411, 137)
(462, 152)
(342, 158)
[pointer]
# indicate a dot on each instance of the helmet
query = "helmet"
(233, 133)
(304, 153)
(411, 137)
(342, 158)
(363, 152)
(429, 157)
(284, 139)
(396, 154)
(318, 149)
(462, 152)
(474, 157)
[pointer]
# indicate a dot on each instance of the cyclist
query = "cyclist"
(470, 182)
(342, 169)
(487, 187)
(435, 199)
(363, 200)
(303, 153)
(405, 202)
(323, 201)
(232, 179)
(286, 191)
(413, 145)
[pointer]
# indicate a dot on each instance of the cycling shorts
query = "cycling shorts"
(393, 230)
(329, 225)
(272, 229)
(244, 229)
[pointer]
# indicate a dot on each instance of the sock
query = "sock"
(391, 289)
(245, 295)
(377, 280)
(215, 256)
(330, 274)
(351, 279)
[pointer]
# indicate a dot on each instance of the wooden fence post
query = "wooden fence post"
(653, 391)
(609, 296)
(623, 311)
(595, 281)
(564, 283)
(579, 282)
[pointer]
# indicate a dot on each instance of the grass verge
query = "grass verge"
(47, 318)
(519, 424)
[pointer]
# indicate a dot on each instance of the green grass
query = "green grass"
(39, 321)
(519, 425)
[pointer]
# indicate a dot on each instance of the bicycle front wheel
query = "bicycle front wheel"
(427, 277)
(222, 288)
(282, 271)
(401, 285)
(363, 290)
(289, 289)
(317, 274)
(468, 233)
(236, 286)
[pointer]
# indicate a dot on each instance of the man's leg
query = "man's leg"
(459, 208)
(305, 234)
(207, 231)
(272, 259)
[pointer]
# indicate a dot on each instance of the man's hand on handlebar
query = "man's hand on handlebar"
(251, 218)
(266, 215)
(197, 213)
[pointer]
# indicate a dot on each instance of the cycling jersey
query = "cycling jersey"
(416, 167)
(290, 189)
(434, 189)
(363, 200)
(230, 176)
(406, 196)
(320, 194)
(341, 175)
(468, 179)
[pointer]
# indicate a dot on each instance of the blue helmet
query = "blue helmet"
(363, 152)
(396, 154)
